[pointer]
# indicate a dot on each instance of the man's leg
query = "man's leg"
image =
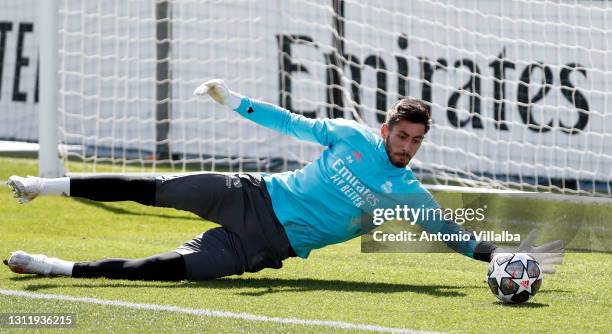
(114, 188)
(212, 254)
(95, 187)
(161, 267)
(212, 196)
(168, 266)
(215, 253)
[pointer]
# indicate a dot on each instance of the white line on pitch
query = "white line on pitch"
(213, 313)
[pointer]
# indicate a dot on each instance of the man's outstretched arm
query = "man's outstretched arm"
(322, 131)
(548, 255)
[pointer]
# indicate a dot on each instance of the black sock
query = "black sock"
(161, 267)
(114, 188)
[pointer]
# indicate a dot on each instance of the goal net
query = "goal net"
(520, 91)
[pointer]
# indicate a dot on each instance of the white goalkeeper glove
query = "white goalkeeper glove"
(547, 255)
(219, 92)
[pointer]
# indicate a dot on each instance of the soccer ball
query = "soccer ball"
(514, 278)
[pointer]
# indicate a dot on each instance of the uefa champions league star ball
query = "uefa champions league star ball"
(514, 278)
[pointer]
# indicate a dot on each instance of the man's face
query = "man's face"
(402, 141)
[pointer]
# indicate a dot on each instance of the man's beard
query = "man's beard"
(390, 155)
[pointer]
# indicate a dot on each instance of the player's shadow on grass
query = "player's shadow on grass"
(266, 286)
(26, 278)
(122, 211)
(524, 305)
(276, 285)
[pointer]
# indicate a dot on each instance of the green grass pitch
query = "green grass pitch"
(429, 292)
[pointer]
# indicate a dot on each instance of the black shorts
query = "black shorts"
(250, 237)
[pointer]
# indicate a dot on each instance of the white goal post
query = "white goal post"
(520, 91)
(49, 164)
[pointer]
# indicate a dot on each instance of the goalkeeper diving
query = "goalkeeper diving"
(266, 219)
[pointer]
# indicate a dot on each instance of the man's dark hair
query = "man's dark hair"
(411, 110)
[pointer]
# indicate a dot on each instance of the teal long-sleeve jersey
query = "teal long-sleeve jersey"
(322, 203)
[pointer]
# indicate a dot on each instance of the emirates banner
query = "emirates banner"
(515, 88)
